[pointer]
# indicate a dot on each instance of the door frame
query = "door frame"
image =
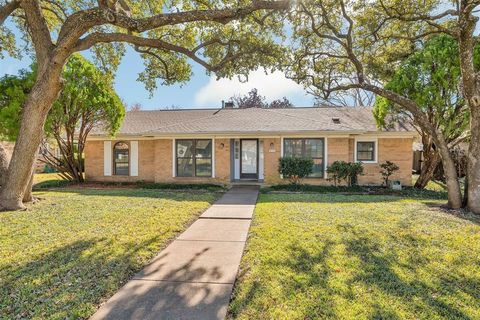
(252, 176)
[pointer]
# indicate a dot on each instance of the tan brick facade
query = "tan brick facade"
(271, 156)
(155, 161)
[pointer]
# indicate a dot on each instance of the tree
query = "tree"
(430, 77)
(253, 100)
(4, 160)
(166, 34)
(346, 45)
(13, 92)
(87, 100)
(135, 107)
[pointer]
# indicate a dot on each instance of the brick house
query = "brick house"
(229, 145)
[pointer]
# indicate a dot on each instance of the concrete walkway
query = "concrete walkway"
(193, 277)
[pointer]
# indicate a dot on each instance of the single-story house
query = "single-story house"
(231, 145)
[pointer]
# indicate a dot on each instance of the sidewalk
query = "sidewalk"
(193, 277)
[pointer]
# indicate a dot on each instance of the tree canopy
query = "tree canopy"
(168, 35)
(87, 100)
(254, 100)
(13, 93)
(430, 77)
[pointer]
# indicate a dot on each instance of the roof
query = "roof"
(248, 121)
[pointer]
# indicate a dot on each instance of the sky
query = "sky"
(202, 91)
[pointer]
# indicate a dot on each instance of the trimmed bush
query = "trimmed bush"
(295, 168)
(348, 171)
(388, 168)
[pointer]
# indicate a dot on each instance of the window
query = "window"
(306, 148)
(366, 151)
(194, 158)
(121, 164)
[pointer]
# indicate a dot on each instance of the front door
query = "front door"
(249, 159)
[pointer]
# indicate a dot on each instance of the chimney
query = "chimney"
(228, 105)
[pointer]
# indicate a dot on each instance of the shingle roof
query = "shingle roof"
(252, 120)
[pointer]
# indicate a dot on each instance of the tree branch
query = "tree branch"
(94, 38)
(7, 9)
(38, 30)
(80, 22)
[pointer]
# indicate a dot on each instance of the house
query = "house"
(229, 145)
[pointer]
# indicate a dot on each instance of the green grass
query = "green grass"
(330, 256)
(74, 249)
(48, 181)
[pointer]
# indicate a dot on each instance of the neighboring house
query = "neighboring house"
(228, 145)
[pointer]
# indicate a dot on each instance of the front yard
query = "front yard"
(330, 256)
(75, 248)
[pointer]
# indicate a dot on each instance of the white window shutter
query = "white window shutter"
(134, 158)
(107, 158)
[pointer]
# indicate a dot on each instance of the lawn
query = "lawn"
(315, 256)
(74, 249)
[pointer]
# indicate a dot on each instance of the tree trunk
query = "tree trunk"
(3, 164)
(28, 196)
(471, 94)
(473, 168)
(432, 159)
(35, 110)
(451, 177)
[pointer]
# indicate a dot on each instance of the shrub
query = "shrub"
(348, 171)
(388, 168)
(294, 168)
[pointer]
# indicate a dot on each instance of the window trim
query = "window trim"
(375, 149)
(175, 158)
(114, 166)
(324, 151)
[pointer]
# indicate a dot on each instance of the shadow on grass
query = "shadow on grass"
(174, 298)
(328, 198)
(368, 279)
(71, 281)
(377, 270)
(310, 270)
(68, 282)
(178, 195)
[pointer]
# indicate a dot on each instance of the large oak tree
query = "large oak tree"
(168, 34)
(430, 77)
(340, 45)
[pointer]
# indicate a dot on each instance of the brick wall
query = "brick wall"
(397, 150)
(155, 161)
(271, 175)
(94, 162)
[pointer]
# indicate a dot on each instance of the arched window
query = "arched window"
(121, 162)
